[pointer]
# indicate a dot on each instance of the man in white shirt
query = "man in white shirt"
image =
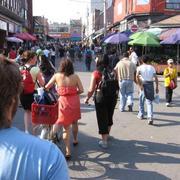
(22, 156)
(133, 56)
(145, 78)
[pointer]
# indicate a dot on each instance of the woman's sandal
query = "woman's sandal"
(75, 143)
(68, 157)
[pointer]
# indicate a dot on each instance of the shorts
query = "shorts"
(26, 101)
(104, 114)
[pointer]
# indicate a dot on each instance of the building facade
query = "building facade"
(15, 16)
(143, 12)
(41, 27)
(59, 31)
(76, 29)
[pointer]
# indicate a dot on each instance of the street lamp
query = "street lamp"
(105, 18)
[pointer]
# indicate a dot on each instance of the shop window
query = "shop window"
(173, 4)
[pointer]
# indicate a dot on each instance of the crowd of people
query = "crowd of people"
(40, 63)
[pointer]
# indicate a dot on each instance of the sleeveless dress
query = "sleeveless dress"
(69, 105)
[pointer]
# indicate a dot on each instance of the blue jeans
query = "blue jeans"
(126, 93)
(149, 105)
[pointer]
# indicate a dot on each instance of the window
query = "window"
(173, 4)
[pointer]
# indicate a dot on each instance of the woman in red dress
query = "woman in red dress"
(69, 87)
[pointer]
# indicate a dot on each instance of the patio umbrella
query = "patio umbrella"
(143, 34)
(107, 36)
(14, 39)
(155, 31)
(117, 38)
(168, 33)
(173, 39)
(145, 41)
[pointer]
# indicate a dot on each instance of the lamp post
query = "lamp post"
(105, 18)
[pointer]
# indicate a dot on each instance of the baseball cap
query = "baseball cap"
(169, 61)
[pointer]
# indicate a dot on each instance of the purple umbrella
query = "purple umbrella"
(117, 38)
(108, 36)
(173, 39)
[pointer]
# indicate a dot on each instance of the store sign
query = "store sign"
(3, 25)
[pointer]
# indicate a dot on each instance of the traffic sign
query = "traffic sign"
(134, 28)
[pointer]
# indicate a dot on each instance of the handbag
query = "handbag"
(172, 84)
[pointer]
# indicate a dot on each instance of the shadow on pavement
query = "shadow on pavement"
(120, 160)
(166, 122)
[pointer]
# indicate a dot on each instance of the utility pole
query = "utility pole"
(105, 18)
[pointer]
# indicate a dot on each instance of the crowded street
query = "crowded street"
(89, 90)
(137, 151)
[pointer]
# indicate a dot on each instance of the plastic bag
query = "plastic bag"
(157, 99)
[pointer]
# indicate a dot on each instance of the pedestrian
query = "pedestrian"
(53, 55)
(69, 87)
(126, 71)
(104, 105)
(170, 77)
(133, 56)
(47, 70)
(88, 58)
(31, 76)
(145, 78)
(12, 53)
(23, 156)
(19, 58)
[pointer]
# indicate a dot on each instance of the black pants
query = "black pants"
(88, 64)
(104, 114)
(53, 58)
(169, 93)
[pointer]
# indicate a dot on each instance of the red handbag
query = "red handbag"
(172, 84)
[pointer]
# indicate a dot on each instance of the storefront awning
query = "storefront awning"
(25, 36)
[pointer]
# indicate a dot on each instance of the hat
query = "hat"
(39, 52)
(169, 61)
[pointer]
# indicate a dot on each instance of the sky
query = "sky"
(60, 10)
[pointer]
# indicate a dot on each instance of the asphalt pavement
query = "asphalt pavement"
(137, 151)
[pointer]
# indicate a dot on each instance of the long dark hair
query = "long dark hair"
(102, 62)
(66, 67)
(46, 67)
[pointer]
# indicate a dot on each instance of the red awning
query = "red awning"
(25, 36)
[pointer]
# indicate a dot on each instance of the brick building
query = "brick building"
(15, 16)
(143, 12)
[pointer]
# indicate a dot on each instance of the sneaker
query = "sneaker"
(150, 121)
(103, 144)
(130, 108)
(168, 105)
(140, 117)
(110, 138)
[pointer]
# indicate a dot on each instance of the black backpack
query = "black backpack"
(108, 87)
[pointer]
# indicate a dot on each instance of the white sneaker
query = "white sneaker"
(168, 104)
(103, 144)
(150, 121)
